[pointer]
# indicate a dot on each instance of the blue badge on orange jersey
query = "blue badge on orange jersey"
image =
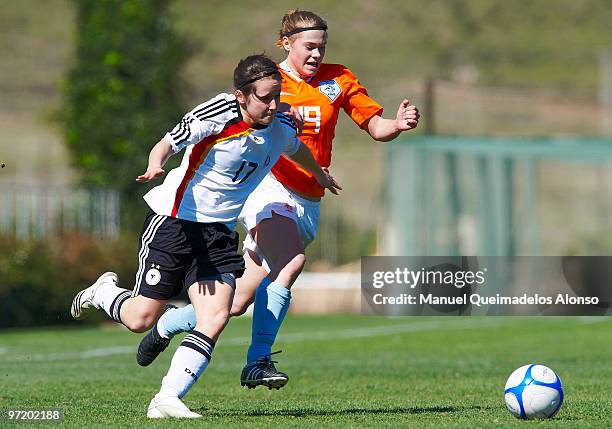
(330, 89)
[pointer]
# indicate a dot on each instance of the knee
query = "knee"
(288, 269)
(216, 320)
(240, 305)
(294, 266)
(141, 322)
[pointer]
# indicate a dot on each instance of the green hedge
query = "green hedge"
(39, 279)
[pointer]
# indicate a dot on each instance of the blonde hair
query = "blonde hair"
(297, 19)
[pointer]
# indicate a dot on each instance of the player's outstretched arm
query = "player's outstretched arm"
(304, 157)
(157, 158)
(385, 130)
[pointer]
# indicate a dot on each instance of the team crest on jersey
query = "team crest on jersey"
(330, 89)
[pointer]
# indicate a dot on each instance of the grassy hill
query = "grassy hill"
(545, 51)
(391, 45)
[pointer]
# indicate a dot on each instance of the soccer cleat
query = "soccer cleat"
(169, 406)
(83, 301)
(152, 344)
(262, 372)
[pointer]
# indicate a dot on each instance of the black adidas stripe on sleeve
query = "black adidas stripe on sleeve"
(211, 105)
(286, 120)
(182, 130)
(220, 112)
(215, 109)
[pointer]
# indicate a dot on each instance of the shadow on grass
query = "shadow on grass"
(307, 412)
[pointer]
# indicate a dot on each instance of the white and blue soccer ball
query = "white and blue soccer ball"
(533, 392)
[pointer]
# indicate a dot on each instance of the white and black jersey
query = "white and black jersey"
(225, 159)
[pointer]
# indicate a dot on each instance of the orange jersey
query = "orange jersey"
(319, 101)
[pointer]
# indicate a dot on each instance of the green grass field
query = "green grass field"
(345, 371)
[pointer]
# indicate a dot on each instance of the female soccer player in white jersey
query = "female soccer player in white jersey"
(231, 142)
(286, 204)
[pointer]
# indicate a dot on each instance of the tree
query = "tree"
(122, 93)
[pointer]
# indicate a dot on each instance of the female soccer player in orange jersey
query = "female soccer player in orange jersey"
(282, 214)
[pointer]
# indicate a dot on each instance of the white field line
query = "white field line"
(87, 354)
(331, 335)
(377, 331)
(588, 320)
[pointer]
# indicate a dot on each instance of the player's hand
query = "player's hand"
(150, 174)
(407, 116)
(294, 113)
(328, 181)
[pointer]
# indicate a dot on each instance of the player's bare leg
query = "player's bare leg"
(285, 256)
(286, 260)
(211, 301)
(247, 284)
(139, 313)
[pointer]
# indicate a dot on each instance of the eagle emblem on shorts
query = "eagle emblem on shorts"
(330, 89)
(153, 276)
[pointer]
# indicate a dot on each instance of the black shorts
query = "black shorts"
(175, 253)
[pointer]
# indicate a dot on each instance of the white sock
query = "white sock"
(110, 298)
(188, 363)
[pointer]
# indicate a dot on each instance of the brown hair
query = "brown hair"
(252, 68)
(297, 19)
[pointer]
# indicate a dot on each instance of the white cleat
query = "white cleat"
(162, 407)
(83, 301)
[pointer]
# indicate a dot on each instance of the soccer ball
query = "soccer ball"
(533, 392)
